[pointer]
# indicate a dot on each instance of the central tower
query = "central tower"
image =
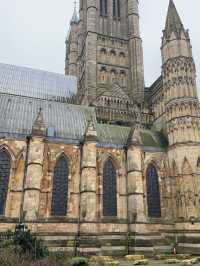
(104, 51)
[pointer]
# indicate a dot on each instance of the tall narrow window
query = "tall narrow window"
(103, 7)
(109, 189)
(116, 8)
(5, 165)
(153, 192)
(60, 188)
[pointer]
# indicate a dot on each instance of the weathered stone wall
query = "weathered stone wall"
(106, 233)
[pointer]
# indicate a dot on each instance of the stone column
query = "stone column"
(136, 211)
(89, 176)
(34, 171)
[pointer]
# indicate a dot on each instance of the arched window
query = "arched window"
(109, 189)
(5, 165)
(113, 75)
(103, 7)
(103, 75)
(153, 192)
(123, 78)
(60, 188)
(116, 8)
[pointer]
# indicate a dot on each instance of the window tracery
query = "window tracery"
(60, 188)
(153, 192)
(5, 167)
(109, 189)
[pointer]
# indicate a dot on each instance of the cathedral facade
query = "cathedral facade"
(93, 161)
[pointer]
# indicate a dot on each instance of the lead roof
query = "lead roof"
(36, 83)
(24, 92)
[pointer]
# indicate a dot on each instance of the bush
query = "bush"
(23, 242)
(79, 261)
(30, 244)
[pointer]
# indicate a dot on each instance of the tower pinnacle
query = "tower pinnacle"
(75, 15)
(173, 22)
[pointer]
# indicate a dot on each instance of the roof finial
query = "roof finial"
(75, 16)
(38, 128)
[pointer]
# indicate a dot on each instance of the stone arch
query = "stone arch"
(103, 157)
(187, 190)
(186, 167)
(9, 150)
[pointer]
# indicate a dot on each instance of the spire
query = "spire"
(75, 15)
(134, 136)
(173, 22)
(91, 133)
(39, 126)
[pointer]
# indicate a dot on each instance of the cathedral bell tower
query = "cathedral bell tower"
(109, 55)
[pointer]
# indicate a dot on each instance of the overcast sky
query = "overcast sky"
(32, 32)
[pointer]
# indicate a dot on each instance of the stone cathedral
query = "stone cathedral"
(93, 161)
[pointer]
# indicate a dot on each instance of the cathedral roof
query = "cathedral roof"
(63, 122)
(36, 83)
(28, 96)
(173, 22)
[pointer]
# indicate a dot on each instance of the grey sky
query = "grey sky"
(33, 32)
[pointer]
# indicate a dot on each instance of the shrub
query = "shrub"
(79, 261)
(30, 244)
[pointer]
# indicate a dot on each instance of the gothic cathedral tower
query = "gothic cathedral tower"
(182, 113)
(104, 50)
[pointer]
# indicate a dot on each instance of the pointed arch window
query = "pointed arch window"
(60, 188)
(5, 166)
(153, 192)
(109, 189)
(116, 8)
(103, 7)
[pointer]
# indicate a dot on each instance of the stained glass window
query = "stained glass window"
(153, 192)
(109, 189)
(5, 165)
(103, 7)
(60, 188)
